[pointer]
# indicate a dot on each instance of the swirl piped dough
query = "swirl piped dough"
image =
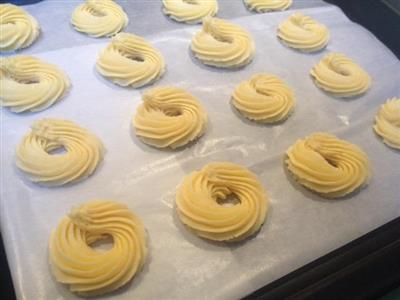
(264, 98)
(339, 75)
(18, 28)
(83, 152)
(129, 60)
(267, 5)
(190, 11)
(327, 165)
(303, 33)
(223, 44)
(169, 117)
(387, 123)
(90, 272)
(99, 18)
(198, 208)
(30, 84)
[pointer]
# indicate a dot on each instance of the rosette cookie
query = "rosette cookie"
(18, 28)
(190, 11)
(30, 84)
(199, 196)
(35, 154)
(169, 117)
(99, 18)
(339, 75)
(387, 123)
(88, 271)
(303, 33)
(130, 60)
(223, 44)
(264, 98)
(267, 5)
(327, 165)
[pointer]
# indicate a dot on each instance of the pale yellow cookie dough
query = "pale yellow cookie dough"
(35, 157)
(88, 271)
(169, 117)
(267, 5)
(303, 33)
(18, 29)
(223, 44)
(327, 165)
(339, 75)
(198, 202)
(387, 123)
(129, 60)
(264, 98)
(190, 11)
(99, 18)
(30, 84)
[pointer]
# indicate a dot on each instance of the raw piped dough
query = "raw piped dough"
(129, 60)
(223, 44)
(387, 123)
(303, 33)
(198, 208)
(327, 165)
(169, 117)
(339, 75)
(18, 29)
(264, 98)
(86, 270)
(267, 5)
(99, 18)
(190, 11)
(30, 84)
(83, 151)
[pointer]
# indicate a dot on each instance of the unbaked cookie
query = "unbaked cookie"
(387, 123)
(190, 11)
(267, 5)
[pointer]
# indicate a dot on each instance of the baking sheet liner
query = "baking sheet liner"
(300, 226)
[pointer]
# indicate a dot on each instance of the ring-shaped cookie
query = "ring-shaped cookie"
(303, 33)
(198, 208)
(223, 44)
(129, 60)
(30, 84)
(339, 75)
(327, 165)
(387, 123)
(18, 29)
(169, 117)
(35, 157)
(264, 98)
(99, 18)
(190, 11)
(261, 6)
(86, 270)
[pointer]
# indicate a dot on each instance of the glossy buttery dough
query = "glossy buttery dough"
(18, 28)
(129, 60)
(339, 75)
(34, 157)
(30, 84)
(267, 5)
(223, 44)
(387, 123)
(169, 117)
(197, 205)
(303, 33)
(264, 98)
(190, 11)
(327, 165)
(86, 270)
(99, 18)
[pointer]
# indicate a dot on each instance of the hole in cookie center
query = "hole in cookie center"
(172, 112)
(59, 150)
(131, 56)
(103, 243)
(191, 1)
(331, 162)
(97, 13)
(230, 200)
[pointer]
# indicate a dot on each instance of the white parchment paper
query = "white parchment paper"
(300, 226)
